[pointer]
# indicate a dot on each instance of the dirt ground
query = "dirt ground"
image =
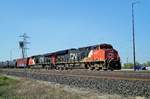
(23, 88)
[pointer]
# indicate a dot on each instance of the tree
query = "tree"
(130, 65)
(146, 63)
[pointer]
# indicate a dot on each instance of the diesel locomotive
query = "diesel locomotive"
(97, 57)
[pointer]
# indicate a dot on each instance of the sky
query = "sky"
(61, 24)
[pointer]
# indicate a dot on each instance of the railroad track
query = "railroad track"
(110, 82)
(124, 75)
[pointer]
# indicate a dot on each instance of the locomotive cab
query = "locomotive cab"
(105, 56)
(113, 59)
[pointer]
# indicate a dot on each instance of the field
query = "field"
(28, 89)
(23, 88)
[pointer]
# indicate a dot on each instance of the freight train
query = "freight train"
(97, 57)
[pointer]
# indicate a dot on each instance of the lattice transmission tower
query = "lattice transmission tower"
(23, 45)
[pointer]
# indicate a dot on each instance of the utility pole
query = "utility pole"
(133, 34)
(10, 55)
(23, 45)
(127, 60)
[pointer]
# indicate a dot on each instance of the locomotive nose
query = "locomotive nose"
(111, 55)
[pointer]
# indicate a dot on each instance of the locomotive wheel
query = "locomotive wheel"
(61, 68)
(98, 68)
(105, 69)
(110, 68)
(86, 66)
(66, 68)
(92, 68)
(43, 66)
(57, 68)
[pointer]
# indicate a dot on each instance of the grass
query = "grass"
(6, 86)
(23, 88)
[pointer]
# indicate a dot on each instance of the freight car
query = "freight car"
(8, 64)
(4, 64)
(22, 63)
